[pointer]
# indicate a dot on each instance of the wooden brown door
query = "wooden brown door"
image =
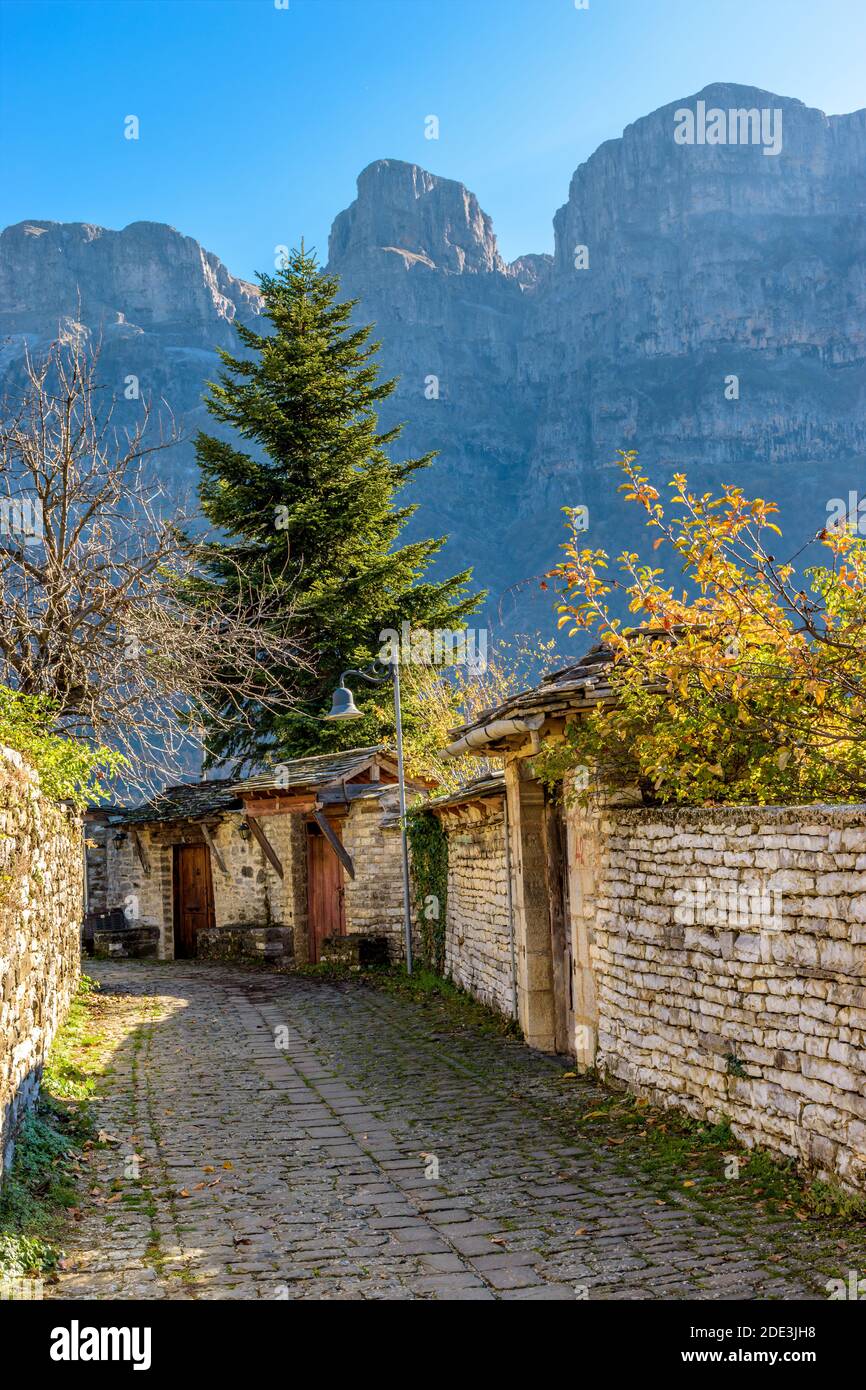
(556, 852)
(193, 896)
(324, 891)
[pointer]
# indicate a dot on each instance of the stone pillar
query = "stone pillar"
(526, 816)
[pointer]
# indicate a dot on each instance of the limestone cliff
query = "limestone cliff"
(677, 267)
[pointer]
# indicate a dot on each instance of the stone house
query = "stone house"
(554, 985)
(279, 865)
(708, 957)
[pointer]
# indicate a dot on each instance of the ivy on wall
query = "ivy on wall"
(428, 845)
(69, 770)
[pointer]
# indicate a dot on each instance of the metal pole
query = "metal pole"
(407, 908)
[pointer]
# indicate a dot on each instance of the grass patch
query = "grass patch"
(687, 1156)
(42, 1184)
(449, 1005)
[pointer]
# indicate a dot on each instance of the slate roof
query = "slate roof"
(489, 784)
(573, 687)
(200, 800)
(576, 687)
(189, 801)
(318, 771)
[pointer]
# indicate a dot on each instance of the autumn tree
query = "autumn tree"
(446, 697)
(745, 681)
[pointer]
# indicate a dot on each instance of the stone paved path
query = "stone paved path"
(301, 1163)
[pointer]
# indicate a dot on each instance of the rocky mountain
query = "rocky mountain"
(705, 303)
(155, 304)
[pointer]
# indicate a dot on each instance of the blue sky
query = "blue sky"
(254, 120)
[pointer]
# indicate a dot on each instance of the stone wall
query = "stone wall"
(373, 900)
(41, 903)
(478, 955)
(96, 832)
(267, 944)
(727, 949)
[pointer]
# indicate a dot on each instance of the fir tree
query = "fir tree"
(302, 490)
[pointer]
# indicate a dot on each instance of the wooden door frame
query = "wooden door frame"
(176, 850)
(562, 971)
(312, 832)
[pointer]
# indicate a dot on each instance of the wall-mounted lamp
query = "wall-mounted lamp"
(118, 839)
(244, 830)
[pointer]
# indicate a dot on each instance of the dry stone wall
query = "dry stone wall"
(373, 900)
(728, 951)
(41, 901)
(478, 954)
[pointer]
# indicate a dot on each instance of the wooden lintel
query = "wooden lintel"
(277, 805)
(477, 802)
(334, 841)
(211, 844)
(266, 847)
(139, 852)
(352, 791)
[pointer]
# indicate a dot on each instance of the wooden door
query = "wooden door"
(193, 896)
(560, 921)
(326, 916)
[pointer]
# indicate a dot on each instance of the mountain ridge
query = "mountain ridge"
(703, 263)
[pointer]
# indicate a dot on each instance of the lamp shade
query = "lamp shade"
(343, 705)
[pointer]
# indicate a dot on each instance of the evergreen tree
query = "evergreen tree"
(307, 513)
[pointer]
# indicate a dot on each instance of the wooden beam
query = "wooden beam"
(334, 841)
(213, 849)
(266, 847)
(139, 852)
(278, 805)
(352, 791)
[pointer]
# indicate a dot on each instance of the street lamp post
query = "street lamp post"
(343, 707)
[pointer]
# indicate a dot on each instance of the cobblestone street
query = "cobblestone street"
(304, 1139)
